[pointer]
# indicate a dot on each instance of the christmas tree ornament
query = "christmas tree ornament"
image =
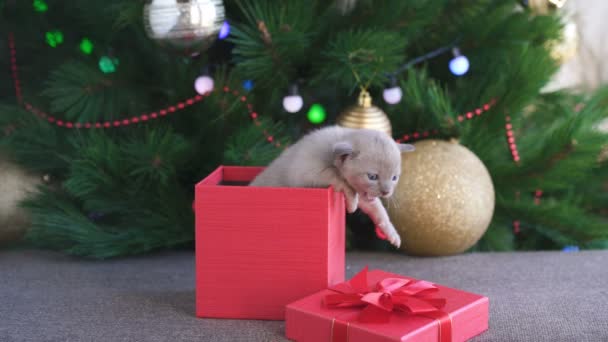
(293, 102)
(563, 49)
(15, 186)
(189, 26)
(566, 48)
(459, 65)
(544, 6)
(444, 200)
(316, 114)
(393, 93)
(365, 115)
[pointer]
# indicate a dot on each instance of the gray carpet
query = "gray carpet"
(540, 296)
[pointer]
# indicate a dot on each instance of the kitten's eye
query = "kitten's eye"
(394, 178)
(372, 176)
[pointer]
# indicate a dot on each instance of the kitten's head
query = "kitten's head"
(370, 161)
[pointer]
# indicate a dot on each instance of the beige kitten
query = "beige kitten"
(364, 164)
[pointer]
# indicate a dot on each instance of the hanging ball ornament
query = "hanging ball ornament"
(365, 115)
(544, 6)
(16, 186)
(444, 200)
(188, 26)
(566, 48)
(563, 49)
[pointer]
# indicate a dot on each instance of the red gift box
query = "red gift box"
(380, 306)
(260, 248)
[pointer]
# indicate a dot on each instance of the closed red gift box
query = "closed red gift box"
(390, 308)
(260, 248)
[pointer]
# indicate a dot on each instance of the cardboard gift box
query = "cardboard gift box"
(260, 248)
(381, 306)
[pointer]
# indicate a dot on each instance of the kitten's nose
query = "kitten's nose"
(384, 193)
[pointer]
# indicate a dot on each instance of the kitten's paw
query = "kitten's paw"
(391, 233)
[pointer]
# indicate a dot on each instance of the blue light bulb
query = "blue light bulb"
(248, 85)
(459, 65)
(224, 31)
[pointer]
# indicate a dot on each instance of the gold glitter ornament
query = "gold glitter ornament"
(444, 200)
(16, 186)
(544, 6)
(566, 48)
(188, 26)
(365, 115)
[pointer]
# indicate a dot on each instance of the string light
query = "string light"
(40, 6)
(54, 38)
(393, 93)
(224, 31)
(459, 65)
(248, 85)
(293, 102)
(316, 114)
(108, 65)
(86, 46)
(204, 83)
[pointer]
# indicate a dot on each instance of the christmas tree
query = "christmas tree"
(121, 117)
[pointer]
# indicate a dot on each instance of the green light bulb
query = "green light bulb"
(86, 46)
(40, 6)
(316, 114)
(54, 38)
(108, 65)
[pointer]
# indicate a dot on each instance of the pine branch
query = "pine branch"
(360, 57)
(83, 93)
(58, 223)
(247, 146)
(273, 41)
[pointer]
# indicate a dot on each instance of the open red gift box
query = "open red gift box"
(381, 306)
(260, 248)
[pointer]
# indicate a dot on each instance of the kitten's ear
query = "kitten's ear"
(342, 150)
(406, 148)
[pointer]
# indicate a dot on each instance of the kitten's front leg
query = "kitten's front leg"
(350, 195)
(340, 185)
(376, 211)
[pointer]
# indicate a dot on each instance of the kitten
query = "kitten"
(363, 164)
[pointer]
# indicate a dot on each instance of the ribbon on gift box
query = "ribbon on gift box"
(387, 297)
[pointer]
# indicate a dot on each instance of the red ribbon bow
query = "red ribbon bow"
(390, 295)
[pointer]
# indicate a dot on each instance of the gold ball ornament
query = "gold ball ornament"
(444, 200)
(188, 26)
(545, 6)
(15, 186)
(566, 48)
(365, 115)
